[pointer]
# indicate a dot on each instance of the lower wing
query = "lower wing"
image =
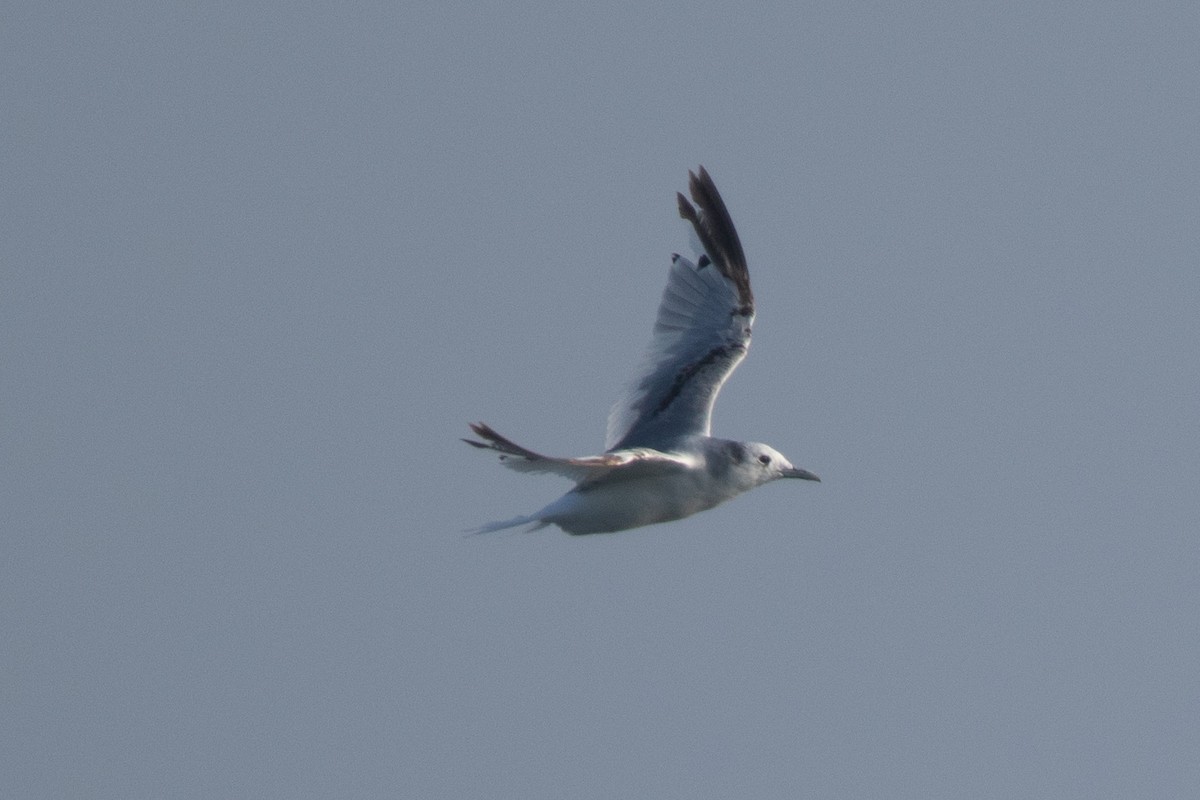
(633, 462)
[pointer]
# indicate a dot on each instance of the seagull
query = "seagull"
(660, 462)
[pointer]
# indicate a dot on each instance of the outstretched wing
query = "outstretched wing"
(700, 336)
(615, 465)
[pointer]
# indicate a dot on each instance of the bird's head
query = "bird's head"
(765, 464)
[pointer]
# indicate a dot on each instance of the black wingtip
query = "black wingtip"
(685, 208)
(713, 225)
(483, 431)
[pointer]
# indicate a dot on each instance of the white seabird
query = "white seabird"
(660, 462)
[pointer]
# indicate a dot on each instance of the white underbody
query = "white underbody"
(615, 505)
(644, 486)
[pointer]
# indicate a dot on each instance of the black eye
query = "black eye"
(764, 459)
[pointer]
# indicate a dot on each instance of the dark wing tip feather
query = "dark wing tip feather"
(503, 445)
(717, 233)
(484, 432)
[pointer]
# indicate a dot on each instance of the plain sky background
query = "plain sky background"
(262, 262)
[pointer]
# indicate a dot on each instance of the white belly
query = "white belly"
(620, 505)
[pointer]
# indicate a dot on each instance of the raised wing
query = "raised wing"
(613, 465)
(700, 336)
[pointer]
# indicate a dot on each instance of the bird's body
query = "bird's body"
(661, 463)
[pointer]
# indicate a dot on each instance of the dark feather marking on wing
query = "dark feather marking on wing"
(691, 370)
(505, 446)
(716, 232)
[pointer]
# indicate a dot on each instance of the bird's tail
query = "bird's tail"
(535, 521)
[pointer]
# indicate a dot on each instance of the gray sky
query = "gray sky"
(262, 263)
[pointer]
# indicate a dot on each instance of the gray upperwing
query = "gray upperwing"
(701, 334)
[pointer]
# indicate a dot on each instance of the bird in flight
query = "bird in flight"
(660, 462)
